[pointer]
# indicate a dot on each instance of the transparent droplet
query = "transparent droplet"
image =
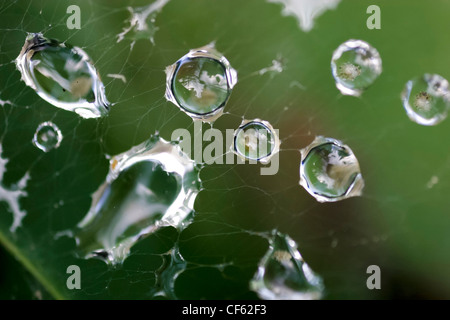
(256, 140)
(200, 83)
(355, 66)
(329, 170)
(283, 274)
(150, 186)
(47, 136)
(426, 99)
(62, 75)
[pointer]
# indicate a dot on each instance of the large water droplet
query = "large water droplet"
(329, 170)
(256, 140)
(47, 136)
(62, 75)
(284, 275)
(355, 66)
(426, 99)
(200, 83)
(152, 185)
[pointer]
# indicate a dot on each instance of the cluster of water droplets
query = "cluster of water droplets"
(200, 83)
(62, 75)
(155, 184)
(426, 99)
(150, 186)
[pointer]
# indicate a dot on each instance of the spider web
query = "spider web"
(283, 77)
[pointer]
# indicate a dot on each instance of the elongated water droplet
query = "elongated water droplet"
(256, 140)
(355, 66)
(329, 170)
(426, 99)
(200, 83)
(152, 185)
(47, 136)
(62, 75)
(284, 275)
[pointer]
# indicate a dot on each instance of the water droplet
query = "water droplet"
(62, 75)
(355, 66)
(426, 99)
(47, 136)
(200, 83)
(329, 170)
(284, 275)
(147, 187)
(256, 140)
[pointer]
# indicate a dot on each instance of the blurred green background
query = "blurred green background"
(400, 223)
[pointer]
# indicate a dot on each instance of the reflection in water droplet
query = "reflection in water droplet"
(152, 185)
(355, 66)
(62, 75)
(142, 22)
(47, 136)
(256, 140)
(200, 83)
(284, 275)
(426, 99)
(329, 170)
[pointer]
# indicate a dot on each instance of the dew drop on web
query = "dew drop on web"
(282, 273)
(256, 140)
(47, 136)
(62, 75)
(426, 99)
(200, 83)
(329, 170)
(355, 66)
(150, 186)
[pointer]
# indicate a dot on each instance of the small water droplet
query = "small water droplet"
(200, 83)
(329, 170)
(256, 140)
(284, 275)
(147, 187)
(47, 136)
(426, 99)
(62, 75)
(355, 66)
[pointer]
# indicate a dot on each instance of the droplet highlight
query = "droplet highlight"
(355, 66)
(150, 186)
(426, 99)
(283, 274)
(256, 140)
(200, 83)
(62, 75)
(47, 136)
(329, 170)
